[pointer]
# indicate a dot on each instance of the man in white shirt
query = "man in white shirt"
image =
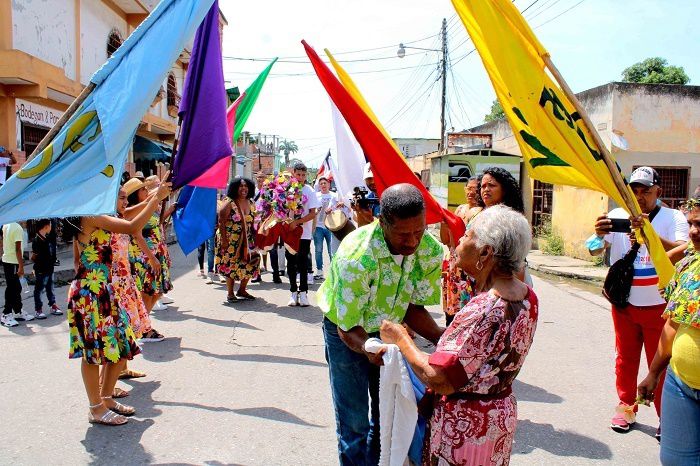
(328, 200)
(13, 265)
(639, 323)
(297, 264)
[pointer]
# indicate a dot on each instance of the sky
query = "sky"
(590, 41)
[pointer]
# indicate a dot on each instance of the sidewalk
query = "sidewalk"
(568, 267)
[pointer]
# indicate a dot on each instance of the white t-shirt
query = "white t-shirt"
(312, 202)
(327, 200)
(11, 233)
(669, 224)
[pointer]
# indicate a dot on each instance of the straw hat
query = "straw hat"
(133, 185)
(151, 182)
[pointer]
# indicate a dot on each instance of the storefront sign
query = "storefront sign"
(35, 114)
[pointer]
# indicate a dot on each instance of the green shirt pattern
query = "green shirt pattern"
(366, 285)
(683, 291)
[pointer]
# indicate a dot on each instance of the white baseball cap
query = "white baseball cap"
(368, 171)
(646, 176)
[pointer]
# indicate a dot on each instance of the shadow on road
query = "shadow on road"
(531, 435)
(118, 445)
(526, 392)
(262, 358)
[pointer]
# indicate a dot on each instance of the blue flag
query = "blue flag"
(79, 172)
(195, 218)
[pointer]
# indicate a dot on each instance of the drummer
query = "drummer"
(328, 200)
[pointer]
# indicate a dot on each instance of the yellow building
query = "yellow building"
(49, 49)
(642, 124)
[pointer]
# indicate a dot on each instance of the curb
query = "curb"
(558, 273)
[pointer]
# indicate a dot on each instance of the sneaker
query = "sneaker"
(8, 320)
(257, 279)
(159, 306)
(303, 299)
(152, 336)
(276, 279)
(657, 435)
(319, 275)
(310, 278)
(623, 419)
(56, 311)
(222, 279)
(293, 299)
(40, 315)
(210, 278)
(165, 299)
(201, 273)
(23, 316)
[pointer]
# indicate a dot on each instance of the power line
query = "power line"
(565, 11)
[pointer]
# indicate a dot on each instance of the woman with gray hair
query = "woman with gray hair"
(483, 349)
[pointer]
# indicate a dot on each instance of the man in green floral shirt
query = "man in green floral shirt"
(385, 270)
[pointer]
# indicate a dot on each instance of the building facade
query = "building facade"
(414, 147)
(641, 124)
(49, 49)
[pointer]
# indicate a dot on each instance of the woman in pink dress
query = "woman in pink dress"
(483, 349)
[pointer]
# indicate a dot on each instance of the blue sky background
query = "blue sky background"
(590, 41)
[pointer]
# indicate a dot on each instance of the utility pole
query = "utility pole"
(443, 145)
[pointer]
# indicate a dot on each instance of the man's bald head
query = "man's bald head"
(401, 201)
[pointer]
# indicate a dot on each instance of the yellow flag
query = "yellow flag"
(555, 142)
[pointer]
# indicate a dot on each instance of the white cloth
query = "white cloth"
(669, 224)
(311, 203)
(398, 410)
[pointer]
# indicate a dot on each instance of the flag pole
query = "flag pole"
(607, 157)
(70, 111)
(172, 165)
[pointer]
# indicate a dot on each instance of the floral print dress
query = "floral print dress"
(147, 280)
(99, 328)
(124, 284)
(229, 262)
(481, 352)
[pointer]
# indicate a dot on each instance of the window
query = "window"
(173, 96)
(541, 203)
(114, 42)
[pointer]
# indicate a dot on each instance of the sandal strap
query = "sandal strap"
(109, 417)
(95, 406)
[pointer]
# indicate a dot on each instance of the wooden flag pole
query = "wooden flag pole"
(607, 157)
(70, 111)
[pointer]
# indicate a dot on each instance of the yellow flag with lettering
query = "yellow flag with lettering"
(555, 142)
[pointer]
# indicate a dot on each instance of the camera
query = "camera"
(359, 198)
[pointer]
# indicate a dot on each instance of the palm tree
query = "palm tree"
(288, 147)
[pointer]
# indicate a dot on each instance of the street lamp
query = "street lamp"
(401, 52)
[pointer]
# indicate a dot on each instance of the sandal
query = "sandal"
(119, 408)
(231, 299)
(119, 393)
(152, 336)
(130, 374)
(109, 418)
(245, 295)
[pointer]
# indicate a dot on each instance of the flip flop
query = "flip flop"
(119, 393)
(245, 295)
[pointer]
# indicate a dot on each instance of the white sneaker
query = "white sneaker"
(158, 306)
(8, 320)
(310, 278)
(294, 299)
(23, 316)
(165, 299)
(303, 299)
(319, 275)
(222, 279)
(210, 279)
(201, 273)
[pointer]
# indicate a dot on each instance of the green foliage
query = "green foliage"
(548, 240)
(288, 147)
(655, 70)
(497, 112)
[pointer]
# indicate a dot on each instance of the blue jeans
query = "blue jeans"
(680, 423)
(44, 281)
(353, 381)
(209, 246)
(320, 235)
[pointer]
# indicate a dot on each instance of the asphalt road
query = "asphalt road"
(247, 384)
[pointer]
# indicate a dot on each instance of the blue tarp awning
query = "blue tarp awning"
(146, 149)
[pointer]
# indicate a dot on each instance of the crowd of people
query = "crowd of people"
(381, 277)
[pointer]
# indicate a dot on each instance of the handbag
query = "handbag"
(618, 281)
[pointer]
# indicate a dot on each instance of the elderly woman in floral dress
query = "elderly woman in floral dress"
(483, 349)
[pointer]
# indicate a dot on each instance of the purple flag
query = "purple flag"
(204, 138)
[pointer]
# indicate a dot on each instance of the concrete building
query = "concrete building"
(49, 49)
(413, 147)
(652, 124)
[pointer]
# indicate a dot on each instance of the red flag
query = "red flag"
(387, 166)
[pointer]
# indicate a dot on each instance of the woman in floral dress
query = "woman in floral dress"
(99, 328)
(236, 258)
(148, 254)
(483, 349)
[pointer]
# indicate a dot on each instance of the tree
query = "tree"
(496, 112)
(288, 147)
(655, 70)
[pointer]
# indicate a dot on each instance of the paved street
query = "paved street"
(247, 384)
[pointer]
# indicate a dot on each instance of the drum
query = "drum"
(339, 224)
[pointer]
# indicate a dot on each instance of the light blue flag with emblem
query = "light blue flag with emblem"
(79, 172)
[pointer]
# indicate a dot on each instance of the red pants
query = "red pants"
(636, 326)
